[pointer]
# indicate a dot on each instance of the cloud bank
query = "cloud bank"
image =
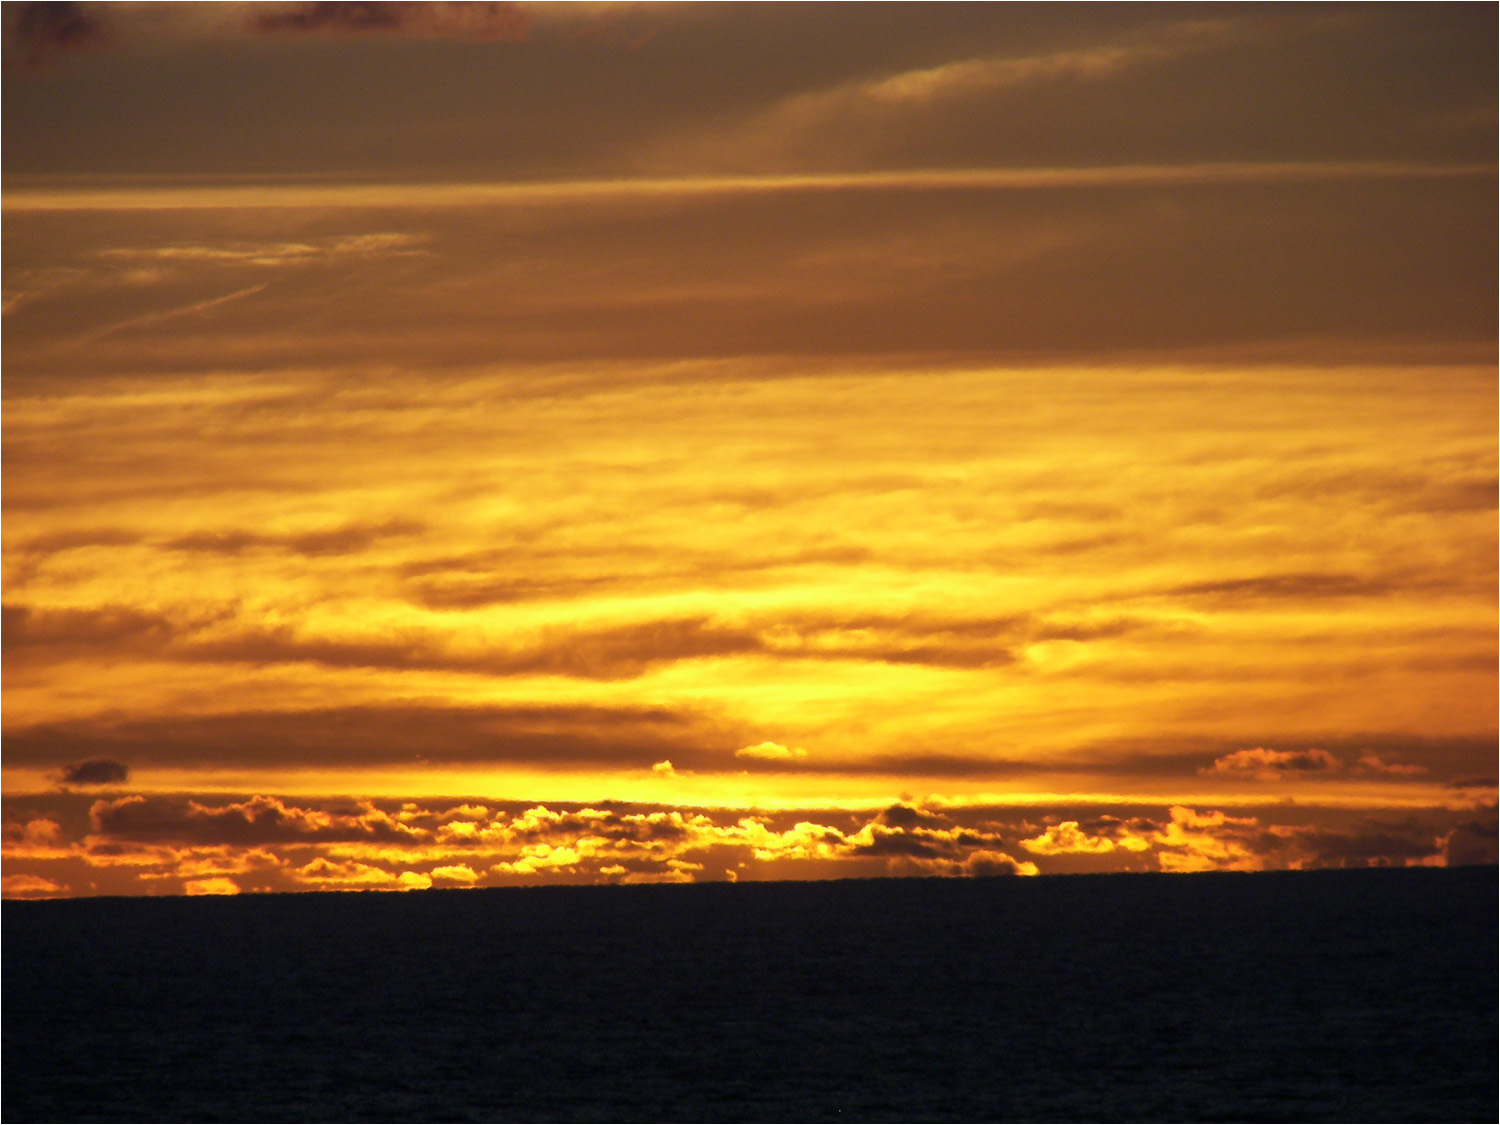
(184, 845)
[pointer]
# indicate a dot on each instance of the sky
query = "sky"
(455, 445)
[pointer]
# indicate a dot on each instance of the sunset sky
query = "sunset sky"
(478, 444)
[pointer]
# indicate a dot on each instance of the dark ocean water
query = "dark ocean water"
(1350, 995)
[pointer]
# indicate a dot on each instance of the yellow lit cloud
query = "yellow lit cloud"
(214, 886)
(771, 752)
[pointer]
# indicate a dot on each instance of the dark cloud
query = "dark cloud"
(611, 653)
(897, 639)
(898, 843)
(942, 656)
(475, 593)
(334, 541)
(95, 771)
(1488, 781)
(1261, 762)
(1471, 844)
(909, 816)
(37, 32)
(606, 653)
(74, 539)
(370, 736)
(983, 864)
(70, 630)
(1367, 843)
(478, 579)
(259, 821)
(477, 19)
(1112, 827)
(1310, 586)
(1093, 631)
(1385, 756)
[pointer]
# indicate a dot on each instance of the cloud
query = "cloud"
(1310, 585)
(218, 885)
(1212, 841)
(915, 840)
(869, 117)
(327, 874)
(1275, 765)
(1370, 844)
(770, 752)
(31, 886)
(1067, 838)
(1215, 841)
(604, 652)
(483, 20)
(258, 821)
(1489, 781)
(458, 873)
(1471, 844)
(982, 863)
(1371, 756)
(370, 244)
(273, 844)
(915, 638)
(95, 771)
(630, 737)
(72, 630)
(193, 308)
(38, 32)
(76, 538)
(342, 540)
(906, 817)
(1373, 763)
(42, 833)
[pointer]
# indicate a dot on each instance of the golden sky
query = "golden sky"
(468, 444)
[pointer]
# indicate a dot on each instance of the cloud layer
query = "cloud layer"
(136, 844)
(183, 845)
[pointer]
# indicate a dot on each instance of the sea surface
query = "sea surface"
(1365, 995)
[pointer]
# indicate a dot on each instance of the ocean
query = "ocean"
(1357, 995)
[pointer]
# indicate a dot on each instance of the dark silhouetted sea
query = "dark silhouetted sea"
(1343, 995)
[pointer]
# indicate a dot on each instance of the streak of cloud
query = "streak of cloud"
(482, 20)
(461, 194)
(870, 118)
(152, 319)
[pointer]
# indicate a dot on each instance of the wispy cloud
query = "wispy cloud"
(272, 254)
(154, 318)
(484, 20)
(862, 120)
